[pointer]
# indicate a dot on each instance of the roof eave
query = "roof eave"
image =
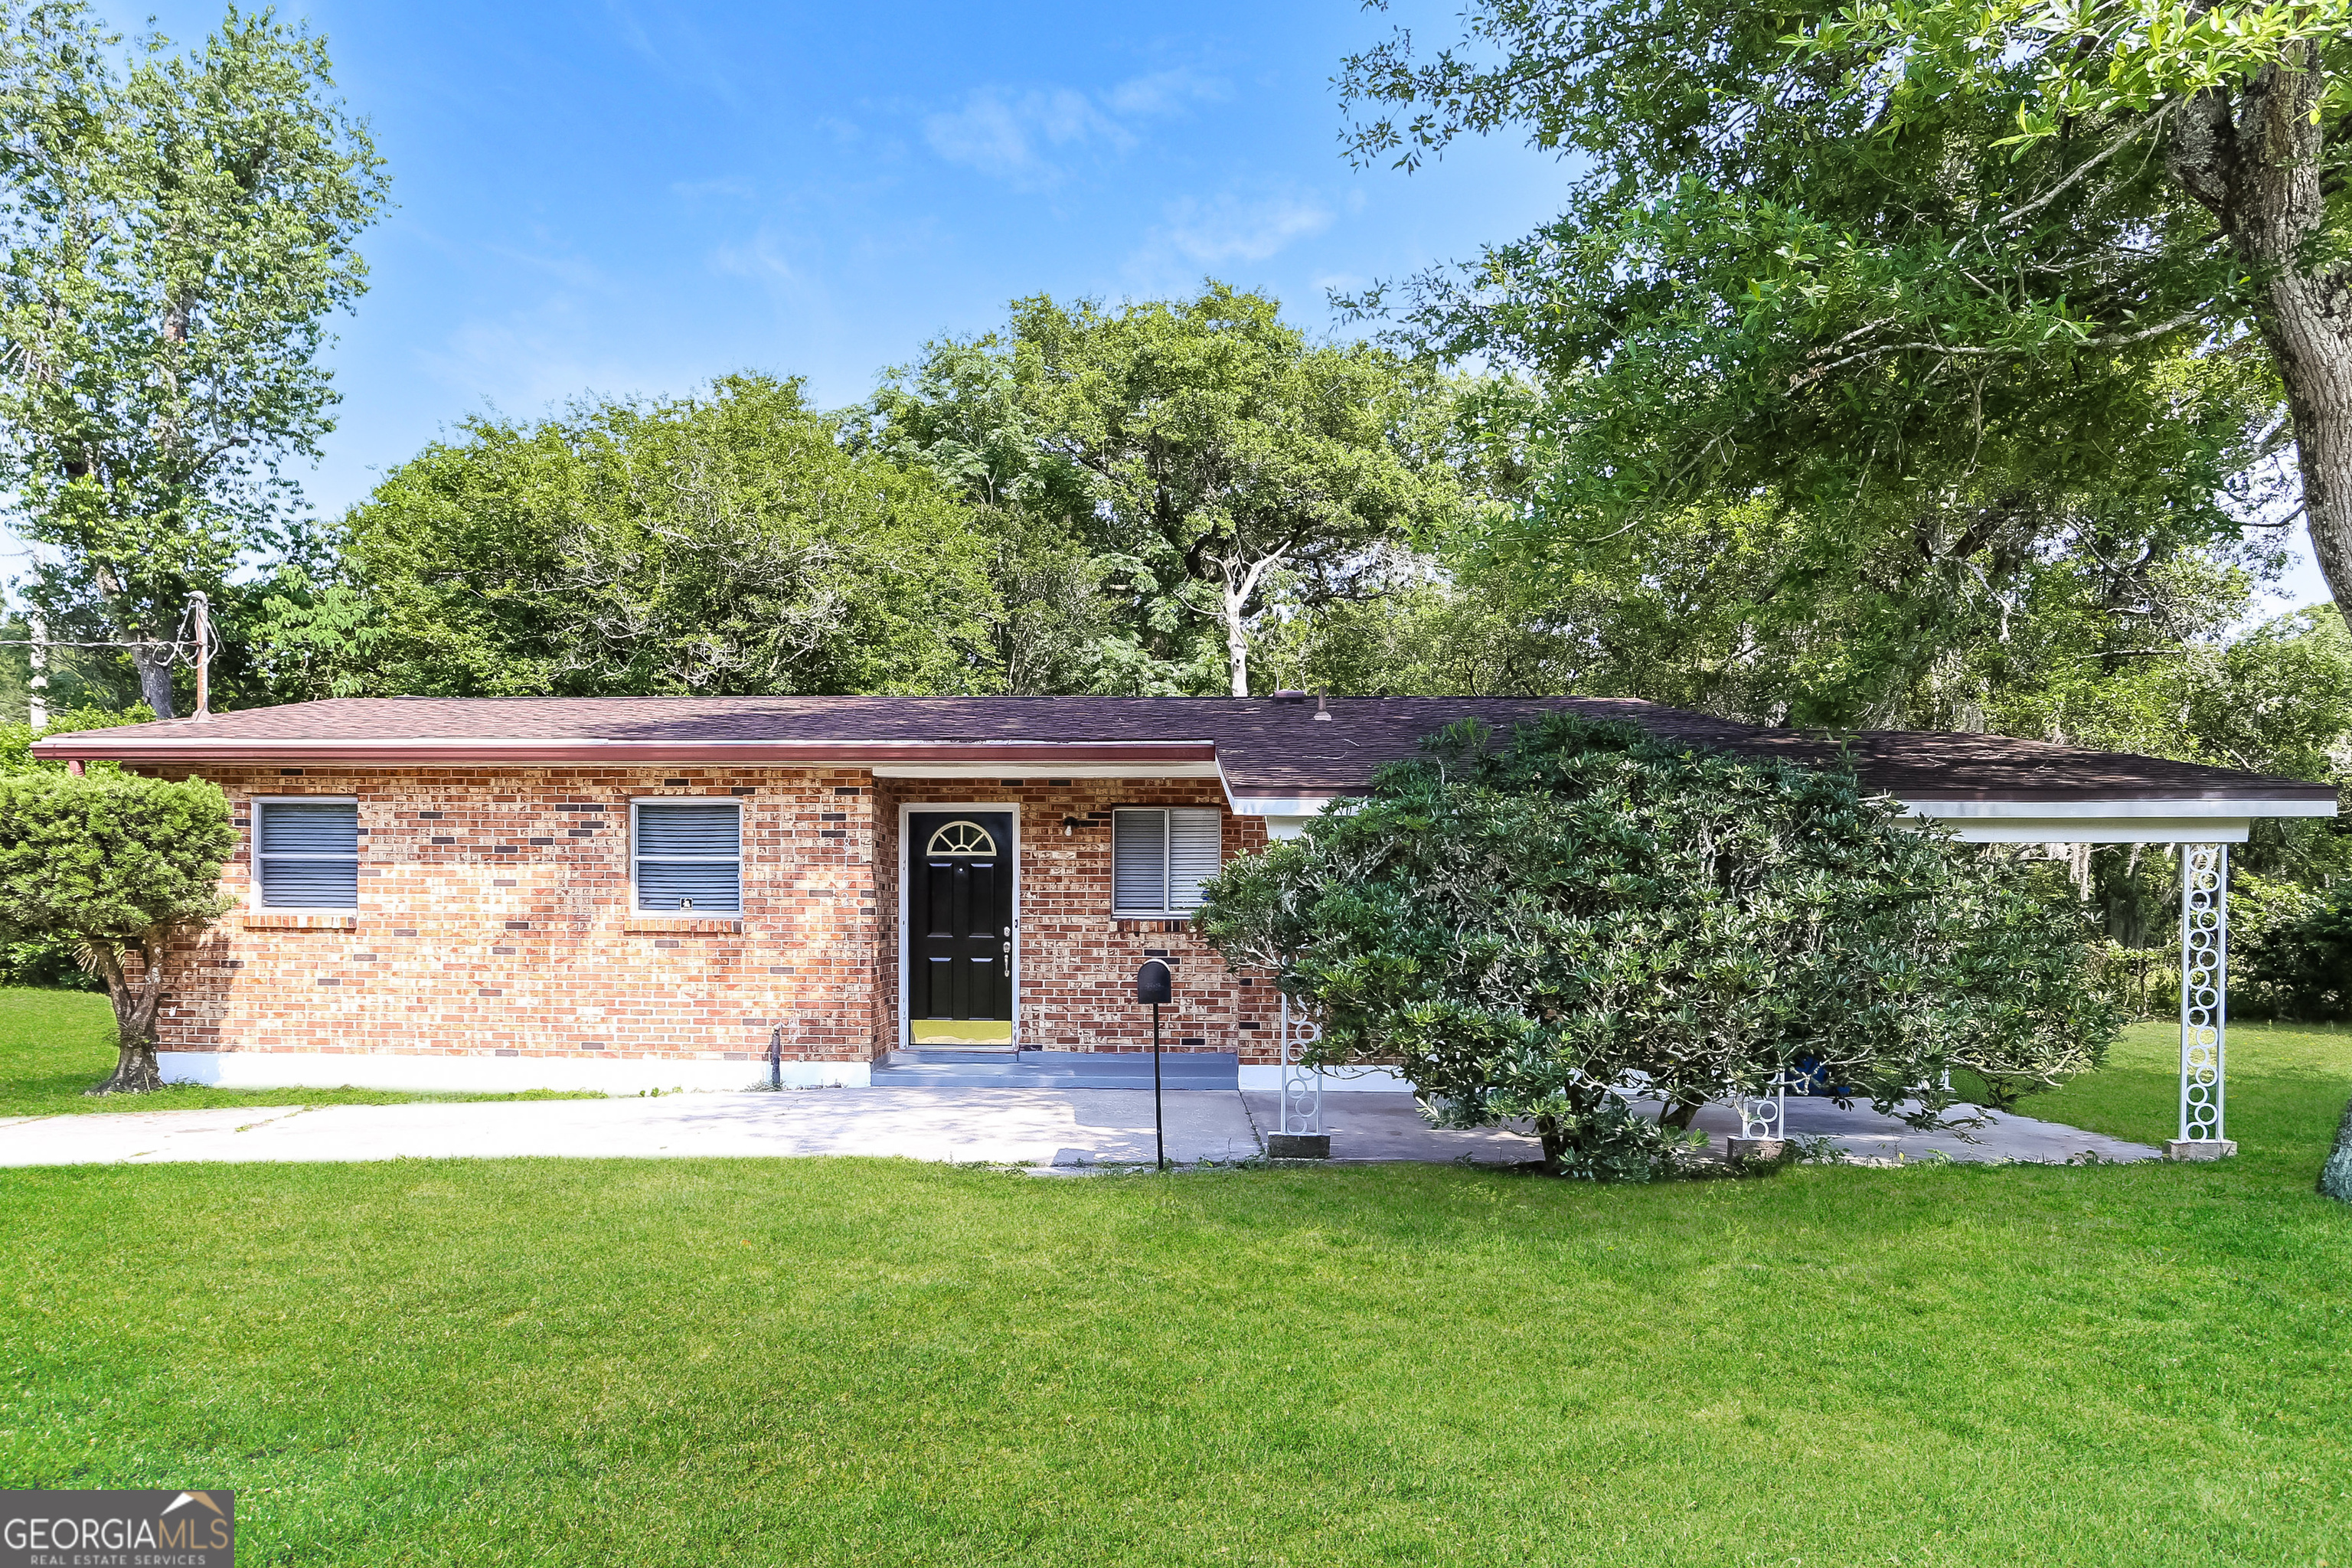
(104, 746)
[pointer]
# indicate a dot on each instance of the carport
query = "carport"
(1992, 789)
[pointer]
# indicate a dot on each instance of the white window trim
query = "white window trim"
(907, 809)
(638, 908)
(253, 841)
(1167, 861)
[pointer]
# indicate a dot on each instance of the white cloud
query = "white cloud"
(760, 259)
(1232, 229)
(1026, 136)
(1164, 92)
(1008, 135)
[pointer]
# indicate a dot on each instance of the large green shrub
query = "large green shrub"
(2290, 950)
(119, 866)
(1523, 926)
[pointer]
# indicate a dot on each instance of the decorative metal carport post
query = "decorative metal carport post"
(2204, 1001)
(1301, 1136)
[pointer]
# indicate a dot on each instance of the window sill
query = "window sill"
(1140, 918)
(669, 925)
(292, 920)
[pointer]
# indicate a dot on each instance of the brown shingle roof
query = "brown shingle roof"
(1265, 748)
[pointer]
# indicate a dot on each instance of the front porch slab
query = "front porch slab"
(1387, 1127)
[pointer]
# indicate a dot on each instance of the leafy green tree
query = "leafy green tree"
(964, 414)
(721, 543)
(1201, 450)
(52, 963)
(2293, 959)
(1524, 926)
(1859, 375)
(175, 236)
(1426, 637)
(122, 867)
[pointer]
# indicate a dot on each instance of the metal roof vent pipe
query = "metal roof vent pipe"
(1322, 710)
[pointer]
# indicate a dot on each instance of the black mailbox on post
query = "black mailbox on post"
(1156, 982)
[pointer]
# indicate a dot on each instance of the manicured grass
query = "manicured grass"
(848, 1361)
(2284, 1081)
(56, 1043)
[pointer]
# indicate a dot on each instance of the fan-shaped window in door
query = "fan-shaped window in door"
(963, 841)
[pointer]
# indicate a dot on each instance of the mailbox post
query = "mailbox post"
(1156, 982)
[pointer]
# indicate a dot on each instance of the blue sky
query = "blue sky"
(633, 197)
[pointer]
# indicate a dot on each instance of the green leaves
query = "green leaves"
(722, 543)
(1526, 924)
(171, 237)
(2065, 60)
(1846, 405)
(1211, 457)
(110, 859)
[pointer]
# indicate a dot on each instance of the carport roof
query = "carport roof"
(1267, 751)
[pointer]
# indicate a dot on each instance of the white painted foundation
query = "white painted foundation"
(1342, 1081)
(493, 1074)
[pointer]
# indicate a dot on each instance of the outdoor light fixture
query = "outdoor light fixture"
(1156, 982)
(1070, 825)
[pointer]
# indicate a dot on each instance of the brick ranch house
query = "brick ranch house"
(621, 893)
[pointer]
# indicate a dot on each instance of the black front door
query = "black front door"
(960, 924)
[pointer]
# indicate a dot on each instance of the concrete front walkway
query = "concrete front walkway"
(1049, 1129)
(996, 1127)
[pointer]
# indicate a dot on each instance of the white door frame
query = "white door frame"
(907, 808)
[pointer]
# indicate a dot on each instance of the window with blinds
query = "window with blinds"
(688, 856)
(1160, 855)
(306, 854)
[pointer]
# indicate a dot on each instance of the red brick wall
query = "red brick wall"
(1078, 964)
(500, 925)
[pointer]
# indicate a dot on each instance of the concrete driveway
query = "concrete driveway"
(1045, 1129)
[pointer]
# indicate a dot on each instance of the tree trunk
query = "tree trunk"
(2311, 335)
(153, 662)
(1239, 585)
(1555, 1142)
(1679, 1114)
(2252, 159)
(136, 1070)
(2336, 1176)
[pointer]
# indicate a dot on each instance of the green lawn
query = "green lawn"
(56, 1043)
(843, 1362)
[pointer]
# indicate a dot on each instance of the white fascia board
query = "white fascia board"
(2176, 807)
(1300, 806)
(1034, 770)
(2099, 829)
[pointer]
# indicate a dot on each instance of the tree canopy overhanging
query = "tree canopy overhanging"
(1992, 274)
